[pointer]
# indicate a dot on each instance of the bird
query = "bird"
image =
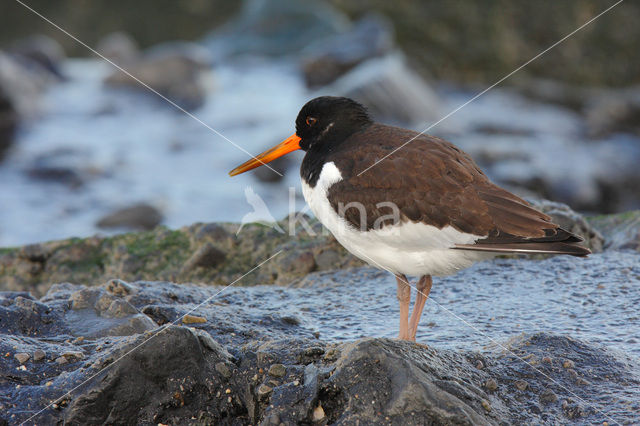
(407, 202)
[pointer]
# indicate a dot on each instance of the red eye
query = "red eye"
(311, 121)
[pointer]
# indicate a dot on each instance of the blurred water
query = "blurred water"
(130, 147)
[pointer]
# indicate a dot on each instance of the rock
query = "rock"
(390, 90)
(323, 62)
(621, 231)
(66, 166)
(491, 385)
(275, 27)
(175, 70)
(23, 85)
(118, 47)
(8, 123)
(207, 256)
(41, 51)
(614, 111)
(139, 216)
(39, 355)
(277, 370)
(193, 319)
(521, 385)
(22, 357)
(547, 396)
(165, 375)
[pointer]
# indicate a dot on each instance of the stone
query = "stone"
(277, 370)
(39, 355)
(176, 70)
(323, 62)
(207, 256)
(43, 51)
(547, 396)
(139, 216)
(118, 47)
(22, 357)
(390, 90)
(193, 319)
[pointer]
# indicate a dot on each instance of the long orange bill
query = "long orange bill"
(286, 146)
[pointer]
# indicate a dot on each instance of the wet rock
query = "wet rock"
(41, 51)
(22, 357)
(166, 374)
(325, 61)
(277, 370)
(276, 27)
(621, 231)
(8, 123)
(193, 319)
(62, 165)
(614, 111)
(118, 47)
(39, 355)
(207, 256)
(176, 70)
(547, 396)
(391, 91)
(139, 216)
(23, 85)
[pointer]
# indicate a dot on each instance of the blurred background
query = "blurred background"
(86, 149)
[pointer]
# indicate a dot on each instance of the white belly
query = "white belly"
(408, 248)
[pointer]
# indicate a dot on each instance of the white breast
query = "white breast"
(408, 248)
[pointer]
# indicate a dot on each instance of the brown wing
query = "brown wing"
(434, 182)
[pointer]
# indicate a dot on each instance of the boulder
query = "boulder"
(41, 51)
(118, 47)
(324, 61)
(175, 70)
(390, 89)
(250, 363)
(140, 216)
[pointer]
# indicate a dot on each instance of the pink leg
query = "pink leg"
(423, 287)
(404, 297)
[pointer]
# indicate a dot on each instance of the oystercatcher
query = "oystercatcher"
(424, 210)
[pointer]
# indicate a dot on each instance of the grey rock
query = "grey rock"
(139, 216)
(173, 372)
(176, 70)
(323, 62)
(621, 231)
(39, 355)
(8, 123)
(41, 51)
(118, 47)
(207, 256)
(390, 90)
(22, 357)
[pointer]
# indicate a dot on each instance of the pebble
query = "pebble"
(546, 360)
(568, 364)
(491, 385)
(521, 384)
(479, 365)
(264, 390)
(277, 370)
(486, 405)
(193, 319)
(22, 357)
(547, 396)
(222, 368)
(39, 355)
(318, 413)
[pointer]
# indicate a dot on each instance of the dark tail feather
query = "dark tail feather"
(530, 248)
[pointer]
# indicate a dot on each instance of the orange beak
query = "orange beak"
(286, 146)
